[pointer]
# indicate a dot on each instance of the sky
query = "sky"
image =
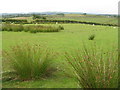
(85, 6)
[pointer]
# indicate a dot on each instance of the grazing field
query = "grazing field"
(87, 18)
(79, 17)
(71, 38)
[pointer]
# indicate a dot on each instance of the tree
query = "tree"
(84, 13)
(38, 17)
(62, 14)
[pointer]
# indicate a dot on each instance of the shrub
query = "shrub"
(94, 68)
(35, 29)
(31, 28)
(17, 28)
(91, 37)
(6, 27)
(10, 27)
(30, 62)
(61, 27)
(16, 21)
(26, 28)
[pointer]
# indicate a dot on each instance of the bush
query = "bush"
(30, 62)
(91, 37)
(17, 28)
(10, 27)
(94, 68)
(26, 28)
(31, 28)
(61, 27)
(16, 21)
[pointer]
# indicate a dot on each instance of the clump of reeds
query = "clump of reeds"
(30, 61)
(91, 37)
(94, 68)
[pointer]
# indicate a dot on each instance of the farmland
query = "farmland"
(87, 18)
(100, 19)
(73, 37)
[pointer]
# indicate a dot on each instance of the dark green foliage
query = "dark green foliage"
(43, 19)
(16, 21)
(84, 13)
(91, 37)
(61, 27)
(38, 17)
(61, 14)
(71, 21)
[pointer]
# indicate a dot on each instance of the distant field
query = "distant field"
(80, 17)
(71, 38)
(20, 18)
(87, 18)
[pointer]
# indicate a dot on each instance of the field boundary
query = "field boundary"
(39, 21)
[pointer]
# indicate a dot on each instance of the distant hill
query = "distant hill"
(53, 13)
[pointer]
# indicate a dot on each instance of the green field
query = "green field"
(86, 18)
(101, 19)
(72, 37)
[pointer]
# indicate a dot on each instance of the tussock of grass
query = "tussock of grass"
(30, 62)
(91, 37)
(94, 68)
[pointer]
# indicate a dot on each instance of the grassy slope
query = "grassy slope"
(66, 40)
(87, 18)
(79, 17)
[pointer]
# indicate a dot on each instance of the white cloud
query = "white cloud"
(88, 6)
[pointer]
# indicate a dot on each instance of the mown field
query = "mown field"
(71, 38)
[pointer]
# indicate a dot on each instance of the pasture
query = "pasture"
(79, 17)
(71, 38)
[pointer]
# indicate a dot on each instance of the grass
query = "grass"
(31, 28)
(11, 27)
(80, 17)
(94, 68)
(72, 37)
(30, 61)
(91, 37)
(87, 18)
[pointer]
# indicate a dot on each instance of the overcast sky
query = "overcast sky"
(86, 6)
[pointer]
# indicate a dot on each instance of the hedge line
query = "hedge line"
(20, 21)
(72, 21)
(53, 21)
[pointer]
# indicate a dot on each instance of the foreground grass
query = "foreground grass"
(94, 68)
(69, 39)
(30, 61)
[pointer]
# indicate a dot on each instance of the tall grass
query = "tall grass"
(30, 61)
(91, 37)
(11, 27)
(94, 68)
(31, 28)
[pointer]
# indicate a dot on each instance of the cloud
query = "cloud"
(88, 6)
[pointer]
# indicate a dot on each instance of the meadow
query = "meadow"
(101, 19)
(73, 37)
(86, 18)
